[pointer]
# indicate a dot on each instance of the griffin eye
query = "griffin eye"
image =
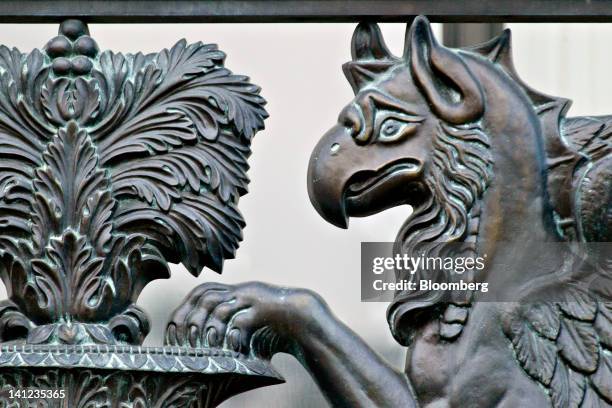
(392, 130)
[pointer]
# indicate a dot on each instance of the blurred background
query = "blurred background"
(285, 242)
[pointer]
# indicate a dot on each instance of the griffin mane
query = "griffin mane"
(457, 186)
(461, 171)
(462, 167)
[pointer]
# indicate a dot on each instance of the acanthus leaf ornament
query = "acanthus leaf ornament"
(112, 165)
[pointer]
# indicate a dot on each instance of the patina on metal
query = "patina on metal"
(111, 166)
(483, 160)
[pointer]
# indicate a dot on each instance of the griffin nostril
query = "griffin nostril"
(334, 149)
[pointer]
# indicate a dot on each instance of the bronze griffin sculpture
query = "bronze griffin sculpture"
(482, 159)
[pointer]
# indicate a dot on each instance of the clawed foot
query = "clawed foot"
(248, 318)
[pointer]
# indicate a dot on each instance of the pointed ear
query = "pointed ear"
(371, 57)
(445, 80)
(417, 32)
(368, 43)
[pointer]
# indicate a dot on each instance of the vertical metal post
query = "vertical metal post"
(461, 34)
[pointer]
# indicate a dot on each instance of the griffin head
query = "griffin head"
(412, 135)
(380, 154)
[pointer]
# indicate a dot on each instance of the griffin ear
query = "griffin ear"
(371, 57)
(368, 43)
(445, 80)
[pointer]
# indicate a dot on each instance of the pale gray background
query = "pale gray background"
(285, 242)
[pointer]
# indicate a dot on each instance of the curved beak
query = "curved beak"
(329, 170)
(346, 179)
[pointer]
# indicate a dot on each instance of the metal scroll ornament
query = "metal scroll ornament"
(112, 165)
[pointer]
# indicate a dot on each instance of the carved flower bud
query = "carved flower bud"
(81, 65)
(61, 66)
(58, 47)
(86, 45)
(73, 29)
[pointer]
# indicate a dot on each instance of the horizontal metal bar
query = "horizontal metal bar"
(267, 11)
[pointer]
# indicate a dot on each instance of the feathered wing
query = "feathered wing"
(592, 195)
(567, 348)
(589, 135)
(176, 141)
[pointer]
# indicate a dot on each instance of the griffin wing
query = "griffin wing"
(589, 135)
(567, 348)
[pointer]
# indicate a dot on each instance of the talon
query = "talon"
(193, 336)
(204, 338)
(233, 339)
(171, 334)
(211, 337)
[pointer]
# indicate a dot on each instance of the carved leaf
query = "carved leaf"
(12, 267)
(159, 131)
(134, 263)
(154, 184)
(164, 102)
(71, 224)
(21, 81)
(96, 221)
(238, 98)
(64, 100)
(91, 391)
(41, 334)
(14, 218)
(218, 166)
(198, 231)
(14, 325)
(70, 189)
(22, 137)
(182, 395)
(69, 279)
